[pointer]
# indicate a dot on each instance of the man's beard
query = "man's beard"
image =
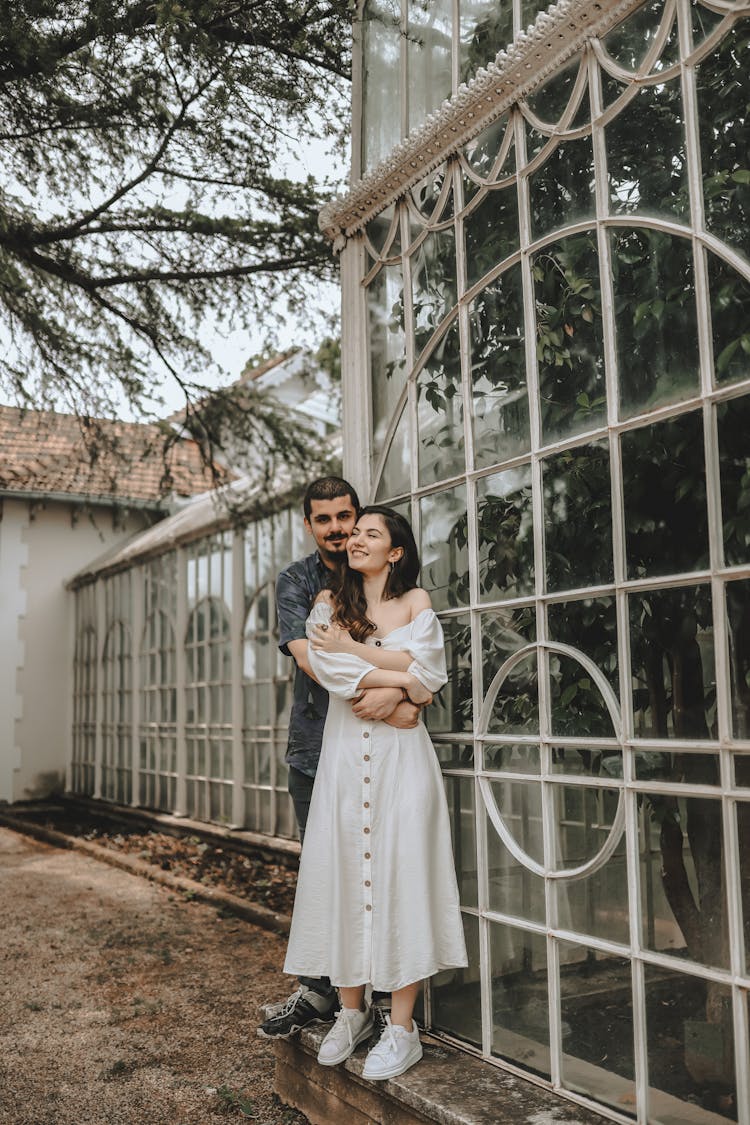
(335, 551)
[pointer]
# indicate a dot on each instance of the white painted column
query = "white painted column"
(137, 579)
(236, 632)
(180, 675)
(101, 640)
(13, 558)
(355, 383)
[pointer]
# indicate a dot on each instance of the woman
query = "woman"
(377, 900)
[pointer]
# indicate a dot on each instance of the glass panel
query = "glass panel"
(672, 661)
(491, 232)
(569, 336)
(589, 625)
(460, 794)
(704, 22)
(451, 709)
(429, 43)
(597, 905)
(576, 703)
(508, 758)
(506, 534)
(725, 139)
(482, 152)
(265, 751)
(381, 100)
(395, 478)
(498, 371)
(433, 282)
(385, 300)
(519, 804)
(455, 755)
(486, 27)
(646, 154)
(562, 188)
(427, 193)
(512, 889)
(666, 525)
(677, 767)
(597, 1026)
(629, 42)
(456, 994)
(548, 102)
(440, 411)
(576, 487)
(734, 465)
(730, 317)
(520, 1023)
(516, 709)
(445, 565)
(682, 885)
(582, 818)
(743, 857)
(690, 1045)
(738, 615)
(657, 336)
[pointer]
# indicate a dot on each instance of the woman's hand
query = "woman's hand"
(330, 638)
(417, 692)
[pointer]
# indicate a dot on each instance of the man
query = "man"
(330, 507)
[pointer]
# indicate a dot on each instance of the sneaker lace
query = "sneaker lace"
(342, 1027)
(379, 1016)
(286, 1006)
(388, 1043)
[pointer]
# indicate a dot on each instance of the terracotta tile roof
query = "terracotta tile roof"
(46, 452)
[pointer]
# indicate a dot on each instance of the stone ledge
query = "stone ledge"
(447, 1086)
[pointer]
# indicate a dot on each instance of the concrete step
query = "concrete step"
(448, 1086)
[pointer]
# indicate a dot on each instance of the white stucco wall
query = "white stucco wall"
(37, 555)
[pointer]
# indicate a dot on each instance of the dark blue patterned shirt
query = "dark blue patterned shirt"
(296, 590)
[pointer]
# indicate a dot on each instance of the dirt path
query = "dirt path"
(121, 1004)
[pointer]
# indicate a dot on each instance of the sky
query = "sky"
(311, 156)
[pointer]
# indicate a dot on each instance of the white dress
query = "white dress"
(377, 900)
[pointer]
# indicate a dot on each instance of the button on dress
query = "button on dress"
(377, 899)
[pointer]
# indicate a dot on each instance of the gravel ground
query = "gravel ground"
(123, 1004)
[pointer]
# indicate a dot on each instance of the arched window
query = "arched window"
(116, 784)
(84, 711)
(208, 728)
(158, 717)
(270, 544)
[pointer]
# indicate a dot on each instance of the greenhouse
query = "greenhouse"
(545, 266)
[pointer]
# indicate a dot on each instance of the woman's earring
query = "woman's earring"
(391, 566)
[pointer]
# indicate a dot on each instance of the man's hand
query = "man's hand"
(376, 704)
(330, 638)
(405, 717)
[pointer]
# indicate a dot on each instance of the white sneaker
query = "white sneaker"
(396, 1051)
(349, 1030)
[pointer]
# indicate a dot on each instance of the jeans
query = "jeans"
(300, 790)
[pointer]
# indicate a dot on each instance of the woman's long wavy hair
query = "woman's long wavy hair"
(349, 602)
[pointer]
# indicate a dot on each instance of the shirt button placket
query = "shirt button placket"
(367, 834)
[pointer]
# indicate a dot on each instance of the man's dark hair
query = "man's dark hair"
(328, 488)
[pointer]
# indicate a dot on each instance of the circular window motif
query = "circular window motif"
(521, 826)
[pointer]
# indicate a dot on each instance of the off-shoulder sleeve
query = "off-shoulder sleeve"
(427, 646)
(338, 672)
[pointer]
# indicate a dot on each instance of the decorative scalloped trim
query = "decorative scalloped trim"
(533, 56)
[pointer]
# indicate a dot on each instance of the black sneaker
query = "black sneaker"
(302, 1008)
(380, 1012)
